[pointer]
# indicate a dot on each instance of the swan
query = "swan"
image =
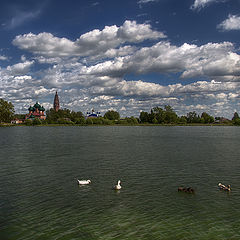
(83, 182)
(118, 186)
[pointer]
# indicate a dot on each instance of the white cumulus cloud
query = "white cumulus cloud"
(108, 69)
(91, 43)
(45, 44)
(20, 68)
(231, 23)
(3, 58)
(211, 60)
(199, 4)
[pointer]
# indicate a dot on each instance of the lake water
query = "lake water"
(40, 198)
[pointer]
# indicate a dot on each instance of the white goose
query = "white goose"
(83, 182)
(118, 186)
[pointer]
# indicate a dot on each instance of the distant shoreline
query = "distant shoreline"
(134, 125)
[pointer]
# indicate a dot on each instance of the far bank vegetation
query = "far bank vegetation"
(156, 116)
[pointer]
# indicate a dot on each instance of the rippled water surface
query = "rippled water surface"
(40, 198)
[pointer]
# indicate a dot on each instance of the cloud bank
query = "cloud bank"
(96, 42)
(96, 71)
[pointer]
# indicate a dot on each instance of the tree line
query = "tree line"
(65, 116)
(157, 115)
(167, 115)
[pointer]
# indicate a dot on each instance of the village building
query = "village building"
(56, 104)
(17, 121)
(93, 114)
(37, 111)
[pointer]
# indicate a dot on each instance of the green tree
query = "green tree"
(75, 115)
(168, 108)
(170, 115)
(151, 116)
(207, 118)
(6, 111)
(182, 120)
(192, 117)
(28, 122)
(97, 121)
(80, 120)
(235, 116)
(65, 121)
(89, 121)
(131, 120)
(112, 115)
(52, 116)
(144, 118)
(36, 121)
(159, 115)
(19, 116)
(55, 117)
(155, 121)
(236, 119)
(107, 121)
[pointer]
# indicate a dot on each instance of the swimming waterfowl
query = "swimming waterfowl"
(223, 187)
(118, 186)
(186, 189)
(83, 182)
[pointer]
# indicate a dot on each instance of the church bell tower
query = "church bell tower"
(56, 103)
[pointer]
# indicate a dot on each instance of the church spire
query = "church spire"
(56, 105)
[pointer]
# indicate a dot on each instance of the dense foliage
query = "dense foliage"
(112, 115)
(236, 119)
(192, 117)
(19, 116)
(6, 111)
(158, 115)
(64, 116)
(167, 115)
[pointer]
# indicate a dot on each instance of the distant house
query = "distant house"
(93, 114)
(17, 121)
(37, 111)
(222, 120)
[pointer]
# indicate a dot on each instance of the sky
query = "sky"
(123, 55)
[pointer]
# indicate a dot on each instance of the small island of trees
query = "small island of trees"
(156, 116)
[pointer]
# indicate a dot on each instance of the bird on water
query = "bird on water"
(118, 186)
(83, 182)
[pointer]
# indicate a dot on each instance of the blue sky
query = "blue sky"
(128, 55)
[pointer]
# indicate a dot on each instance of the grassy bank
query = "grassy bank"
(119, 124)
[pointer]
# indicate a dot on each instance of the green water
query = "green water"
(40, 198)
